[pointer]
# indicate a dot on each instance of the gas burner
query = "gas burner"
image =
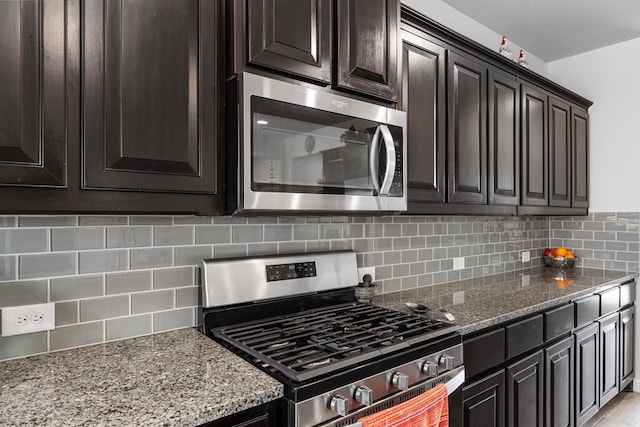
(308, 361)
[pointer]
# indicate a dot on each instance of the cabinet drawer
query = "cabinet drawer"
(483, 352)
(627, 293)
(558, 321)
(524, 335)
(609, 301)
(587, 309)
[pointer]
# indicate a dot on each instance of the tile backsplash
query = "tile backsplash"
(113, 277)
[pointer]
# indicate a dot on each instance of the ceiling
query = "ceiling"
(555, 29)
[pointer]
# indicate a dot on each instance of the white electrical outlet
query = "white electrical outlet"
(526, 256)
(458, 263)
(367, 270)
(26, 319)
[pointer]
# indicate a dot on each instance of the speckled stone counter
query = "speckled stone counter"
(177, 378)
(482, 302)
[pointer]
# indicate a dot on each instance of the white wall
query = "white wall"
(608, 77)
(463, 24)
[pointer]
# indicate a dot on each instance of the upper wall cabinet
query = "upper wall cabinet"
(559, 153)
(580, 157)
(298, 38)
(535, 146)
(33, 137)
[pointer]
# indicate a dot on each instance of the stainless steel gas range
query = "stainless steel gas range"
(296, 318)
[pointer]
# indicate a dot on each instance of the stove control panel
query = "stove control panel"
(290, 271)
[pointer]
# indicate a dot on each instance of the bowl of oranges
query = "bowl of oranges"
(559, 258)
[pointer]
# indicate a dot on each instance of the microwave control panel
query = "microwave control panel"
(291, 271)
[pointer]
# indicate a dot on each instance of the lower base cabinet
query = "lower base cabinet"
(609, 363)
(587, 347)
(627, 355)
(265, 415)
(559, 371)
(525, 392)
(483, 402)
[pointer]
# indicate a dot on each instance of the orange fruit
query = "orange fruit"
(560, 252)
(561, 284)
(570, 255)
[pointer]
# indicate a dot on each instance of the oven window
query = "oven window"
(297, 149)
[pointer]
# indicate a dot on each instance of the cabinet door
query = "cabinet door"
(534, 147)
(467, 139)
(150, 95)
(559, 371)
(33, 136)
(423, 98)
(504, 139)
(627, 327)
(293, 36)
(367, 46)
(483, 402)
(609, 363)
(525, 391)
(587, 373)
(559, 153)
(580, 148)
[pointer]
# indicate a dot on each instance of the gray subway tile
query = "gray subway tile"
(76, 287)
(151, 258)
(73, 239)
(76, 335)
(173, 277)
(337, 245)
(604, 235)
(146, 302)
(172, 236)
(191, 255)
(103, 261)
(616, 246)
(228, 251)
(318, 245)
(363, 245)
(373, 230)
(174, 319)
(128, 237)
(262, 248)
(47, 265)
(246, 234)
(123, 283)
(409, 282)
(392, 257)
(410, 229)
(213, 234)
(330, 231)
(130, 326)
(23, 241)
(627, 256)
(193, 220)
(262, 220)
(229, 220)
(292, 220)
(66, 313)
(383, 272)
(615, 226)
(383, 244)
(277, 233)
(22, 293)
(401, 270)
(401, 243)
(392, 230)
(355, 231)
(7, 221)
(409, 256)
(47, 221)
(8, 267)
(188, 297)
(104, 308)
(23, 345)
(292, 247)
(103, 220)
(151, 220)
(629, 237)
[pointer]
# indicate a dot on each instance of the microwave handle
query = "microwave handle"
(374, 161)
(390, 149)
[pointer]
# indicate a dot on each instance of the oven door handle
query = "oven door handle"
(374, 160)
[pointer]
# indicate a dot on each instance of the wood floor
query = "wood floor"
(622, 411)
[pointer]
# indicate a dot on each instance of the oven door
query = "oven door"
(452, 379)
(309, 150)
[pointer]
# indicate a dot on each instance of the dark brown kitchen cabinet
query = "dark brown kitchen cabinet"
(484, 402)
(290, 36)
(587, 373)
(535, 146)
(33, 136)
(264, 415)
(627, 352)
(504, 138)
(467, 139)
(422, 96)
(149, 99)
(609, 357)
(559, 385)
(367, 46)
(580, 148)
(560, 170)
(525, 392)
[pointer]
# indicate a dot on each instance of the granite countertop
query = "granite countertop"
(482, 302)
(177, 378)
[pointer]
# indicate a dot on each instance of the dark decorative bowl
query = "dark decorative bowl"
(559, 262)
(365, 294)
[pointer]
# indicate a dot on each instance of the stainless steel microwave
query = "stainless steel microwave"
(299, 149)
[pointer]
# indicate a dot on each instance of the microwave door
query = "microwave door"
(383, 132)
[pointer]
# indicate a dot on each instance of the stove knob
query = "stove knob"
(447, 362)
(339, 405)
(430, 369)
(400, 381)
(364, 395)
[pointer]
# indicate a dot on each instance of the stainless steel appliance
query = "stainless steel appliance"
(296, 318)
(298, 149)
